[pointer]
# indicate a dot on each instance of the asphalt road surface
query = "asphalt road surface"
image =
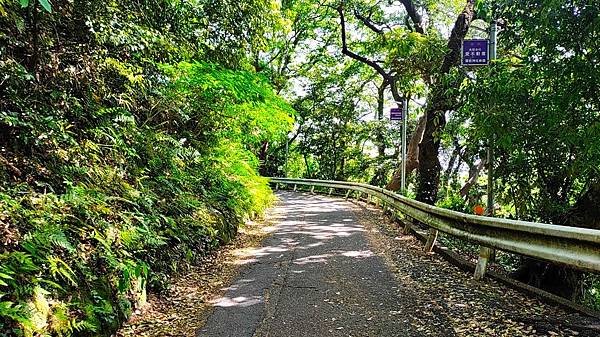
(318, 275)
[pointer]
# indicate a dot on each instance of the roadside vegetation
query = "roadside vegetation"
(536, 105)
(129, 143)
(135, 136)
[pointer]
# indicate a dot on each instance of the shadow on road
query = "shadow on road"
(314, 276)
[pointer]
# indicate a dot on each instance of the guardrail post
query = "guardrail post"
(330, 190)
(407, 227)
(347, 194)
(485, 254)
(431, 238)
(312, 189)
(277, 187)
(358, 195)
(295, 187)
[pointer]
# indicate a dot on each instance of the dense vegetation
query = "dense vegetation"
(132, 134)
(129, 143)
(537, 106)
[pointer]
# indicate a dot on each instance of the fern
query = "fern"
(5, 276)
(15, 312)
(125, 204)
(58, 239)
(125, 119)
(63, 324)
(46, 240)
(58, 267)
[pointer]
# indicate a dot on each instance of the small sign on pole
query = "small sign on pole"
(475, 52)
(396, 114)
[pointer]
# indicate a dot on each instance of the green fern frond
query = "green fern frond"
(58, 267)
(59, 239)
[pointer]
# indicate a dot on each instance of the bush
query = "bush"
(454, 202)
(138, 201)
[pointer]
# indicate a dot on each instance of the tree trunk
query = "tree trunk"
(451, 163)
(380, 172)
(412, 156)
(341, 174)
(429, 163)
(308, 173)
(474, 172)
(263, 158)
(440, 102)
(586, 211)
(333, 167)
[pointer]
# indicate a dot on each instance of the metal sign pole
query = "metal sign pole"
(404, 123)
(487, 254)
(287, 150)
(490, 151)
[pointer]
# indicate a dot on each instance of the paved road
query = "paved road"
(316, 276)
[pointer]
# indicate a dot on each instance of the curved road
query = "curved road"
(329, 269)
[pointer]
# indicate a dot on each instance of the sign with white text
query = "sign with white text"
(475, 52)
(396, 114)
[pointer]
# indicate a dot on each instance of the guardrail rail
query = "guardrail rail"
(572, 246)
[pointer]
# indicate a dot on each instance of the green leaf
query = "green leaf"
(45, 3)
(483, 10)
(6, 276)
(24, 3)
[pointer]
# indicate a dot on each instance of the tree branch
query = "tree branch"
(474, 172)
(15, 171)
(353, 55)
(367, 22)
(461, 26)
(414, 15)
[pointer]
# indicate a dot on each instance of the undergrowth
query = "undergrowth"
(129, 198)
(129, 145)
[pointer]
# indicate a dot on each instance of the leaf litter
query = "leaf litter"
(473, 308)
(185, 307)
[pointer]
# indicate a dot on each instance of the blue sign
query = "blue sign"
(475, 52)
(396, 114)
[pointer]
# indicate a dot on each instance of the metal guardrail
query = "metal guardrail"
(571, 246)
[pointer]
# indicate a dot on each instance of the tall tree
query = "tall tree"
(392, 76)
(442, 99)
(544, 120)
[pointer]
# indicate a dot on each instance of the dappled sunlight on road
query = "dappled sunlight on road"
(253, 255)
(239, 301)
(316, 268)
(358, 254)
(323, 258)
(318, 274)
(305, 235)
(302, 220)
